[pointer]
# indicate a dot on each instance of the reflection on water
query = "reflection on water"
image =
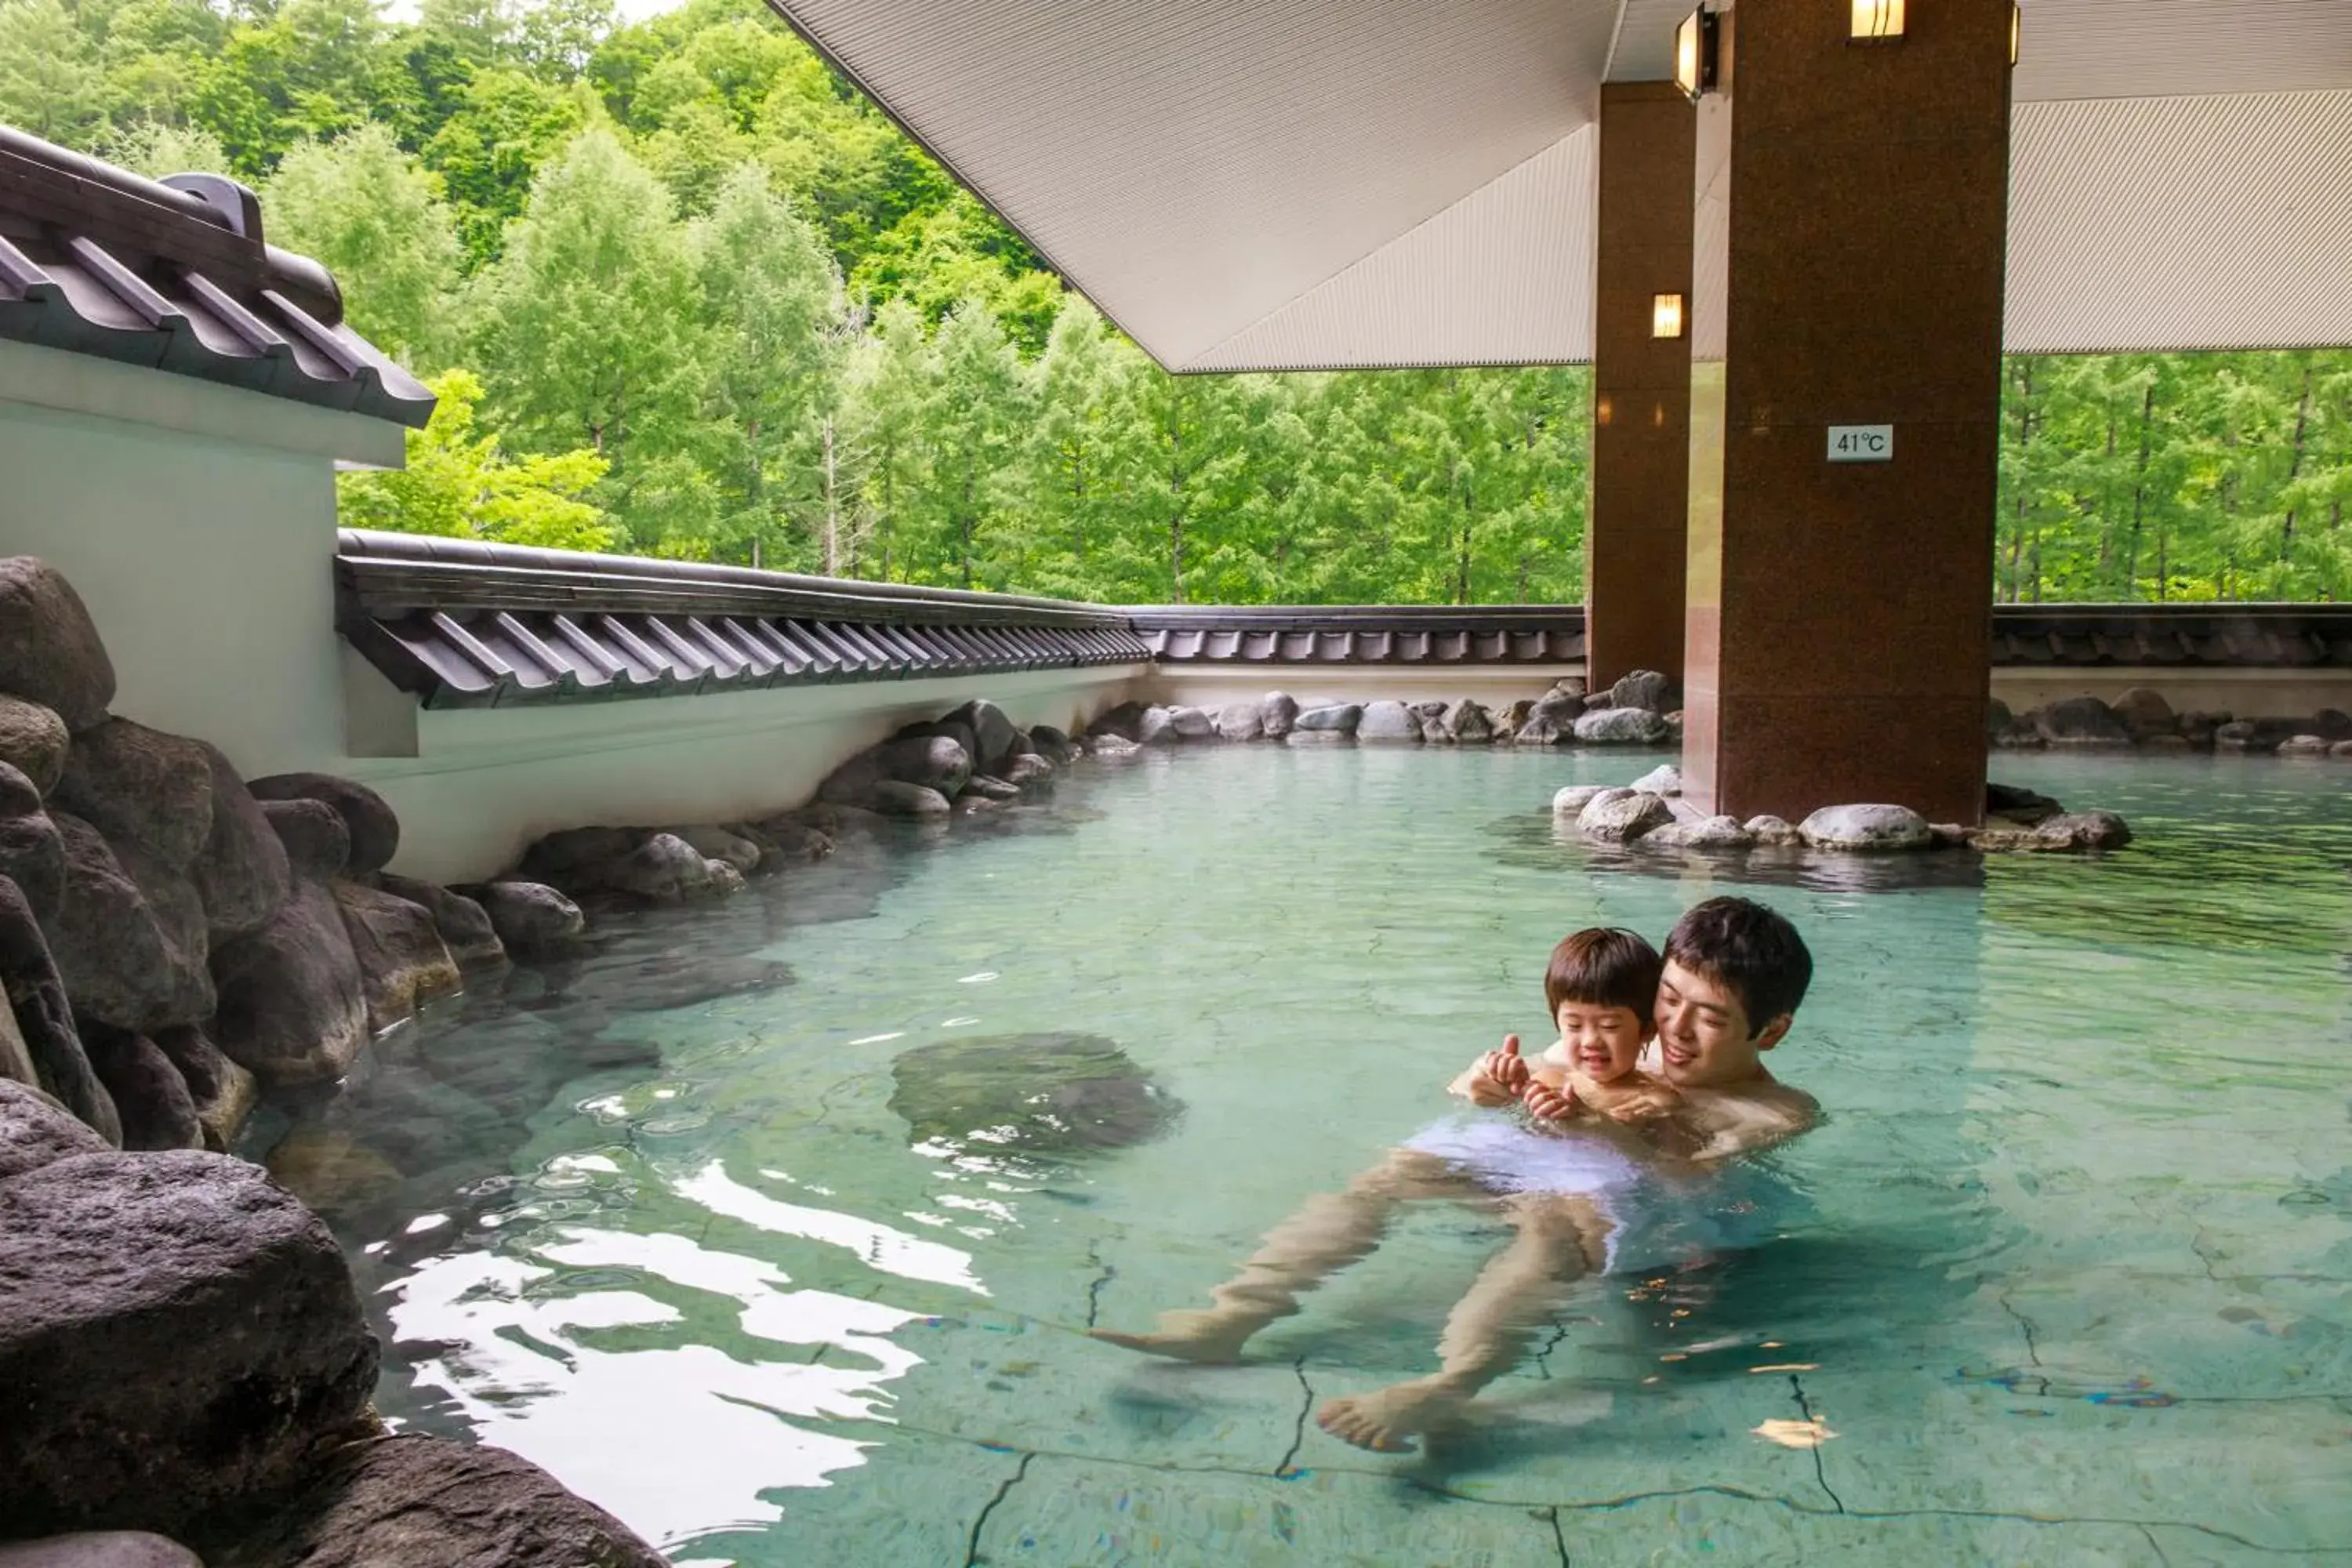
(770, 1226)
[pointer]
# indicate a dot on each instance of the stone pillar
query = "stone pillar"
(1634, 561)
(1851, 215)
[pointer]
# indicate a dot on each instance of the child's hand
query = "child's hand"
(1643, 1105)
(1500, 1076)
(1546, 1103)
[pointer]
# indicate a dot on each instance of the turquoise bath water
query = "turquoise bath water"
(2069, 1285)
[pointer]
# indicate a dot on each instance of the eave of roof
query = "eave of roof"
(1330, 184)
(175, 276)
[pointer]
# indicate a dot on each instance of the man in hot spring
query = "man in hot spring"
(1598, 1166)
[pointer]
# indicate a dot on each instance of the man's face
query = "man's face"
(1705, 1040)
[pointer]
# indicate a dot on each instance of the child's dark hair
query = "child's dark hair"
(1604, 967)
(1750, 949)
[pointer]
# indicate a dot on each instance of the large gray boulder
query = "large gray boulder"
(1193, 723)
(934, 761)
(2086, 830)
(1664, 779)
(223, 1093)
(149, 1094)
(33, 739)
(2084, 721)
(404, 962)
(311, 836)
(532, 921)
(293, 1005)
(993, 735)
(32, 851)
(1388, 722)
(2144, 712)
(129, 936)
(1572, 799)
(177, 1334)
(1469, 723)
(464, 926)
(561, 855)
(374, 830)
(1278, 711)
(50, 649)
(242, 876)
(666, 869)
(1540, 729)
(1026, 768)
(1866, 827)
(895, 798)
(142, 786)
(1622, 816)
(1240, 721)
(35, 1130)
(1157, 727)
(1772, 830)
(1334, 717)
(34, 995)
(1560, 707)
(1643, 688)
(1622, 726)
(725, 845)
(397, 1501)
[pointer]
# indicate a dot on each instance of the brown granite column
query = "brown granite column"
(1851, 215)
(1641, 387)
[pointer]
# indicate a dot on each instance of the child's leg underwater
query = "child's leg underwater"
(1328, 1232)
(1558, 1240)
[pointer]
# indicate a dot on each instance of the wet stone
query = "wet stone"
(33, 739)
(368, 818)
(1046, 1094)
(35, 1130)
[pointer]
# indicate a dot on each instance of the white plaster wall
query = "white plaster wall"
(485, 781)
(1213, 686)
(201, 536)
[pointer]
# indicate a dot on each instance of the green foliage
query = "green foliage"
(459, 483)
(712, 304)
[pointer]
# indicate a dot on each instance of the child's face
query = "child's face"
(1604, 1043)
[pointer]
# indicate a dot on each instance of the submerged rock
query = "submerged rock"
(177, 1332)
(50, 652)
(434, 1500)
(2086, 830)
(1048, 1094)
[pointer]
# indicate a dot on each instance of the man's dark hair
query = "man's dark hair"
(1749, 949)
(1604, 967)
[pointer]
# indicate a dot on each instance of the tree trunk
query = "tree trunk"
(2294, 468)
(832, 506)
(2140, 490)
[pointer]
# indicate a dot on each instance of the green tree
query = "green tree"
(590, 328)
(459, 483)
(52, 82)
(369, 213)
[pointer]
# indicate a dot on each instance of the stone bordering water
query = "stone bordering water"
(2142, 719)
(1652, 813)
(1638, 710)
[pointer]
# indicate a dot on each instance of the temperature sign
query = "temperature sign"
(1861, 443)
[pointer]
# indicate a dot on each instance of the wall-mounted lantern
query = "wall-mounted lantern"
(1665, 315)
(1876, 20)
(1695, 54)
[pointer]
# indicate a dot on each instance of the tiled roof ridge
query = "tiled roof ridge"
(175, 275)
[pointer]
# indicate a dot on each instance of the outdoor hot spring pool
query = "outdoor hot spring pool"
(2070, 1287)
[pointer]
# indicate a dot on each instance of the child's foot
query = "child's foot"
(1385, 1419)
(1209, 1338)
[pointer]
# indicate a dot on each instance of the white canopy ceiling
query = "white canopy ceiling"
(1295, 184)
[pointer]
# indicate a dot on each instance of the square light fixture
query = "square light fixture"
(1695, 54)
(1665, 315)
(1877, 19)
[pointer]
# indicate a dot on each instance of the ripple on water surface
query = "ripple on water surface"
(722, 1229)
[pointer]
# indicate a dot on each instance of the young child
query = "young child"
(1574, 1193)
